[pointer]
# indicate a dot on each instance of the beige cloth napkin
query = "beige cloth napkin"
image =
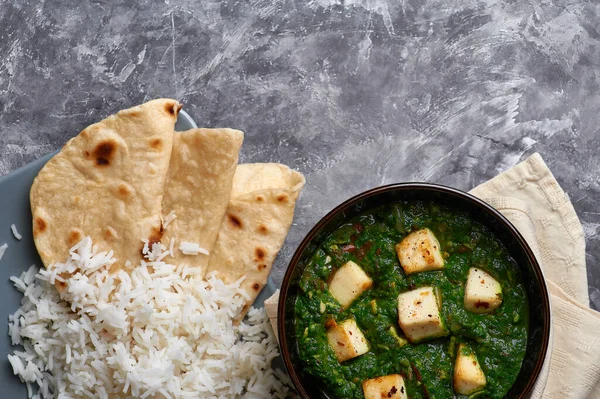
(531, 198)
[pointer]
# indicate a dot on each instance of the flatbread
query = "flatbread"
(106, 183)
(261, 176)
(258, 218)
(118, 179)
(198, 188)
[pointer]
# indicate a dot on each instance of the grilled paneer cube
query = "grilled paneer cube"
(389, 386)
(346, 340)
(468, 376)
(419, 315)
(420, 252)
(348, 282)
(483, 293)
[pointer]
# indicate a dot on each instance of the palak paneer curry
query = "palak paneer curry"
(412, 300)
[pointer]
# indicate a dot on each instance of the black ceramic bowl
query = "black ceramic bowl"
(539, 304)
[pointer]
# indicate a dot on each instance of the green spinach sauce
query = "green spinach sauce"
(499, 338)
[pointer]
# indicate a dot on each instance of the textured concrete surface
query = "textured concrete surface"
(353, 94)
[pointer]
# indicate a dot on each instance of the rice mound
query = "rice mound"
(162, 331)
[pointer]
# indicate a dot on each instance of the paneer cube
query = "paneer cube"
(468, 376)
(348, 282)
(420, 252)
(419, 315)
(483, 293)
(389, 386)
(346, 340)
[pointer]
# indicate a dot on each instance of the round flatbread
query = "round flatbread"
(198, 189)
(106, 183)
(257, 220)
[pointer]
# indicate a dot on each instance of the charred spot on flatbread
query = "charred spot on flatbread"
(39, 225)
(260, 253)
(155, 236)
(234, 221)
(256, 286)
(104, 152)
(260, 198)
(262, 266)
(156, 144)
(74, 237)
(262, 229)
(124, 191)
(282, 197)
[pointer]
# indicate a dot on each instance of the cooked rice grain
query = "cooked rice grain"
(192, 248)
(15, 232)
(3, 250)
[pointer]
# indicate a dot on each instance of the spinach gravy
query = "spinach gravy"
(412, 300)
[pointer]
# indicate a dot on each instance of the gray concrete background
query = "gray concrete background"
(353, 94)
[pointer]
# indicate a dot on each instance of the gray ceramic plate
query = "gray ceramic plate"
(14, 208)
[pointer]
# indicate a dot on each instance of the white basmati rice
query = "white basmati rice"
(192, 248)
(154, 334)
(169, 218)
(13, 228)
(172, 246)
(3, 250)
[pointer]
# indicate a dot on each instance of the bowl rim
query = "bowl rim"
(347, 204)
